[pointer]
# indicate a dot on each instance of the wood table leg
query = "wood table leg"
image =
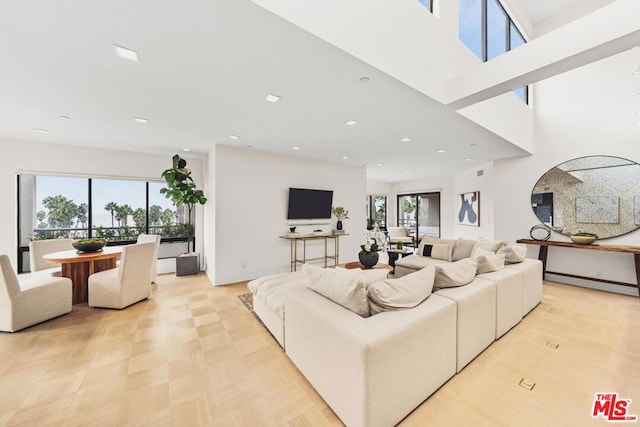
(78, 272)
(636, 258)
(542, 256)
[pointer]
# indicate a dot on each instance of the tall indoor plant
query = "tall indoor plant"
(182, 191)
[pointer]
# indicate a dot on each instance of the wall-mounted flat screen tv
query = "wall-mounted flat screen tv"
(309, 204)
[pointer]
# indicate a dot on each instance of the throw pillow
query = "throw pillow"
(479, 252)
(463, 249)
(426, 250)
(490, 245)
(513, 254)
(435, 241)
(455, 274)
(489, 263)
(340, 286)
(405, 292)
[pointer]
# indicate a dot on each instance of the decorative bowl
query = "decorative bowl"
(583, 240)
(89, 245)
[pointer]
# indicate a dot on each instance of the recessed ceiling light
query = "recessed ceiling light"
(364, 79)
(345, 157)
(234, 137)
(40, 130)
(380, 164)
(186, 149)
(405, 139)
(295, 148)
(65, 117)
(126, 53)
(407, 170)
(467, 159)
(272, 98)
(350, 122)
(141, 120)
(442, 150)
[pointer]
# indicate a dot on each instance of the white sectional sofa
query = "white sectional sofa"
(373, 371)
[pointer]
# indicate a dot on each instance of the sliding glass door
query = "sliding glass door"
(420, 213)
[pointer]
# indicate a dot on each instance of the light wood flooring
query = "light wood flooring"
(193, 355)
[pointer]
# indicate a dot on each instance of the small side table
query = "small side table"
(378, 266)
(394, 254)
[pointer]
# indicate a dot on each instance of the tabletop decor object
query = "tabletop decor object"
(89, 245)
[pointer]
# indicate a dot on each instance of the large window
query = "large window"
(420, 213)
(377, 209)
(118, 210)
(486, 28)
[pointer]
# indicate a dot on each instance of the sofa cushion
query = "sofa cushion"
(478, 251)
(344, 287)
(417, 262)
(437, 251)
(490, 245)
(463, 249)
(489, 263)
(513, 254)
(456, 273)
(368, 276)
(403, 293)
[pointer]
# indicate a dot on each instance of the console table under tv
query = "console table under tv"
(304, 238)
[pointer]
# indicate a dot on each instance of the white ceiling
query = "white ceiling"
(205, 69)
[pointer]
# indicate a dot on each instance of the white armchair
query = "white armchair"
(25, 302)
(39, 248)
(129, 283)
(399, 234)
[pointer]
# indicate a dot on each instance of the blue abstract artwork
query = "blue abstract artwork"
(469, 208)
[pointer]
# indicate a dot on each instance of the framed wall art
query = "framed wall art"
(469, 208)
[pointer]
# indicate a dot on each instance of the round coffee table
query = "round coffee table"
(356, 264)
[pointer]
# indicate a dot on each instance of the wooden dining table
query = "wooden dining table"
(78, 266)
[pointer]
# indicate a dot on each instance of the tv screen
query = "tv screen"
(309, 204)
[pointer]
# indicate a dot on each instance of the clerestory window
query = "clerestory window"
(488, 30)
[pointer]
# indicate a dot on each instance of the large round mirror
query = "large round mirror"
(595, 194)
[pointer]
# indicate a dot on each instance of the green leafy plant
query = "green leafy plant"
(340, 213)
(370, 223)
(182, 191)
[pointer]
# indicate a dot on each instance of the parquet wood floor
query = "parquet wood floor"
(192, 355)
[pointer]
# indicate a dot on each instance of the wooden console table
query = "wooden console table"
(544, 248)
(294, 239)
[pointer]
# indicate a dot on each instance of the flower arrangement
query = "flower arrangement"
(370, 247)
(340, 213)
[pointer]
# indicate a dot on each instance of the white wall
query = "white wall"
(25, 156)
(251, 189)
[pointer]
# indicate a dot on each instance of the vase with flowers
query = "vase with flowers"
(341, 214)
(368, 255)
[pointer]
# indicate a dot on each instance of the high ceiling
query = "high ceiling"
(205, 68)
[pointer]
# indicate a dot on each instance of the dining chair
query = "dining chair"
(152, 238)
(127, 284)
(39, 248)
(27, 301)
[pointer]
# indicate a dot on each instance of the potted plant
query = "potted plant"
(368, 255)
(341, 214)
(370, 223)
(182, 191)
